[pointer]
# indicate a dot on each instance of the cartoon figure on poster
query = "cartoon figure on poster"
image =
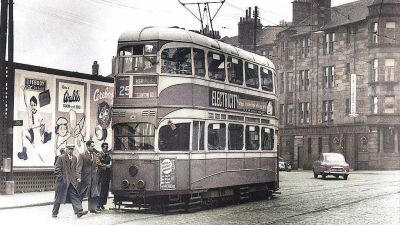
(76, 134)
(103, 121)
(35, 134)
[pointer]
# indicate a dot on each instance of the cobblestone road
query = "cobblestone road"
(368, 197)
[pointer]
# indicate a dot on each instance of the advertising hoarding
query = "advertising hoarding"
(57, 111)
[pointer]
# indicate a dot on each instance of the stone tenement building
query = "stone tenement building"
(315, 57)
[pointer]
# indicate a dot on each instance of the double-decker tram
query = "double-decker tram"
(193, 121)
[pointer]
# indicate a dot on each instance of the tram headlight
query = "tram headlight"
(125, 184)
(141, 184)
(133, 170)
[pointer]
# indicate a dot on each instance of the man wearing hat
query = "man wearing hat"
(66, 183)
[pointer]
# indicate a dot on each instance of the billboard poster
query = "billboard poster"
(71, 118)
(34, 141)
(101, 97)
(167, 174)
(71, 97)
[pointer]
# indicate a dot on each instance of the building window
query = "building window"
(348, 33)
(304, 112)
(391, 25)
(309, 148)
(374, 32)
(347, 71)
(388, 104)
(389, 69)
(347, 109)
(329, 41)
(282, 85)
(305, 47)
(374, 105)
(290, 82)
(374, 70)
(329, 72)
(304, 81)
(289, 114)
(282, 50)
(281, 113)
(327, 111)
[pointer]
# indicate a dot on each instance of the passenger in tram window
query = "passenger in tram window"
(168, 137)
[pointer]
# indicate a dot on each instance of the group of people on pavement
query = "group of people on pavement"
(87, 176)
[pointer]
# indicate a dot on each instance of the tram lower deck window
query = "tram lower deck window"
(216, 136)
(235, 137)
(267, 138)
(174, 137)
(252, 137)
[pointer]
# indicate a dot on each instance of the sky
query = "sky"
(71, 34)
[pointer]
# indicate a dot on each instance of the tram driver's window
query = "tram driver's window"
(174, 137)
(251, 73)
(267, 139)
(252, 137)
(199, 62)
(235, 70)
(216, 66)
(134, 136)
(235, 137)
(176, 61)
(266, 80)
(216, 136)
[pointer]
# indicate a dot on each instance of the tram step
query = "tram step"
(178, 204)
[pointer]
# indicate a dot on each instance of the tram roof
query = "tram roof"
(182, 35)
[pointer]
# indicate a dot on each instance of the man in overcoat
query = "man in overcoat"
(66, 183)
(87, 176)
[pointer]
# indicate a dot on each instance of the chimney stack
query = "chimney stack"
(95, 68)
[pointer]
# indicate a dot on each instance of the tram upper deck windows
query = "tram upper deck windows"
(216, 66)
(216, 136)
(235, 71)
(137, 59)
(134, 136)
(266, 80)
(174, 137)
(235, 137)
(199, 62)
(251, 73)
(267, 138)
(252, 137)
(176, 61)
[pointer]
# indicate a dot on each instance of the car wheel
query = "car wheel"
(324, 176)
(315, 174)
(345, 176)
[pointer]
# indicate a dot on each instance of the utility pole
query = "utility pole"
(255, 28)
(6, 92)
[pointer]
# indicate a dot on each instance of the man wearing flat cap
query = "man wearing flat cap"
(66, 183)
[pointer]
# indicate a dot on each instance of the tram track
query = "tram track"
(349, 186)
(336, 206)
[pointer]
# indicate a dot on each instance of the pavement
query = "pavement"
(30, 199)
